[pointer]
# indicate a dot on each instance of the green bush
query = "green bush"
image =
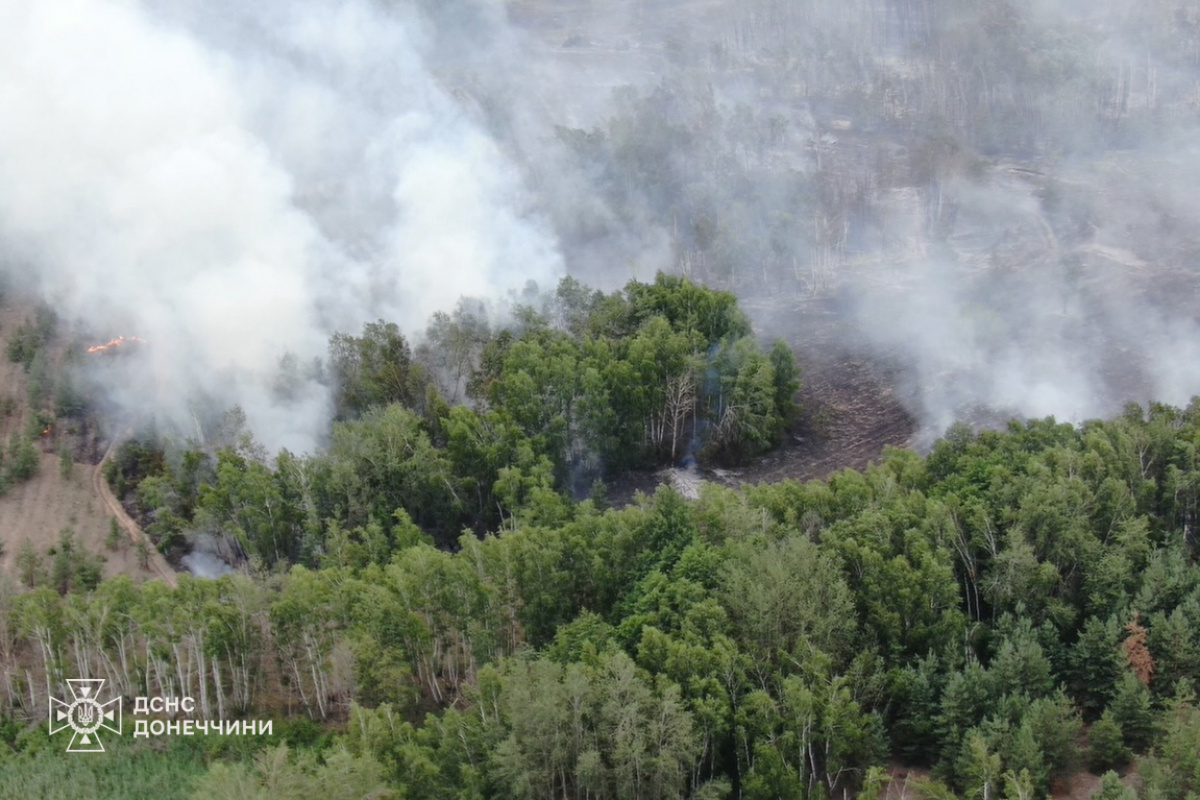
(22, 462)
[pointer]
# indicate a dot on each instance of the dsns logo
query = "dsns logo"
(86, 715)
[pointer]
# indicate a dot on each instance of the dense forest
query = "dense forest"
(431, 608)
(418, 572)
(579, 387)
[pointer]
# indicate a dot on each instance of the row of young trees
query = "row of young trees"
(56, 408)
(980, 611)
(27, 346)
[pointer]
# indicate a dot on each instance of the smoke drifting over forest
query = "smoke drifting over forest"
(232, 181)
(999, 195)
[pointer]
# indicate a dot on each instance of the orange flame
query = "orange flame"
(46, 430)
(117, 342)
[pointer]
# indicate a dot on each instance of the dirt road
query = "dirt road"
(158, 565)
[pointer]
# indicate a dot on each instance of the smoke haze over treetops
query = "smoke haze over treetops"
(998, 196)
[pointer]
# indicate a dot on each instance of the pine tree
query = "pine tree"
(1131, 710)
(22, 459)
(143, 554)
(1106, 745)
(30, 566)
(1111, 788)
(1096, 665)
(113, 540)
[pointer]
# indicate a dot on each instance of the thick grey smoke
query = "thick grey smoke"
(234, 181)
(1066, 291)
(999, 196)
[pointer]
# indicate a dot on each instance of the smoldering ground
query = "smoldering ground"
(997, 195)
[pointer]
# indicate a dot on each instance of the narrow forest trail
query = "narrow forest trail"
(158, 565)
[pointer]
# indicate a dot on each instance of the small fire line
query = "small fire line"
(116, 342)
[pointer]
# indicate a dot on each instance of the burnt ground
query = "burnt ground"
(851, 404)
(854, 399)
(850, 414)
(38, 510)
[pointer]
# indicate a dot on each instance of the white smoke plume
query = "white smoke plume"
(205, 560)
(233, 181)
(997, 196)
